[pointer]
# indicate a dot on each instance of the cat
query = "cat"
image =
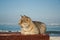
(29, 27)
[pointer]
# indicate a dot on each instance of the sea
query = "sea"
(52, 30)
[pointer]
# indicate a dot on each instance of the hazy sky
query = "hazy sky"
(47, 11)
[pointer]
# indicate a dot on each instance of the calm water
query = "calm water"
(16, 28)
(10, 28)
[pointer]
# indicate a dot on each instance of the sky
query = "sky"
(47, 11)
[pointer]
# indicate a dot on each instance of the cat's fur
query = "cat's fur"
(29, 27)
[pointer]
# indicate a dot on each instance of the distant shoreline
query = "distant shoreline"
(48, 32)
(55, 32)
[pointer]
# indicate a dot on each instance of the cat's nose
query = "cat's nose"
(24, 23)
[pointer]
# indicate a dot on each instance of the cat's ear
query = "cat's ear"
(24, 15)
(21, 16)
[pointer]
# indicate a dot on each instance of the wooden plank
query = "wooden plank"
(18, 36)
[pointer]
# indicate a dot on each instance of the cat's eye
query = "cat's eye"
(21, 21)
(27, 19)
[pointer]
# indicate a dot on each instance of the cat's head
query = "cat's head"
(25, 21)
